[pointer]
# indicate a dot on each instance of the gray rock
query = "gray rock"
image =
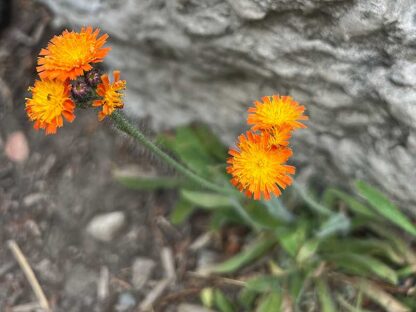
(142, 271)
(349, 62)
(104, 227)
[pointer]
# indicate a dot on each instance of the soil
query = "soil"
(47, 200)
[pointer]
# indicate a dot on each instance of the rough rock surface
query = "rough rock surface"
(351, 62)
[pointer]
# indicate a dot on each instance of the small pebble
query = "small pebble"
(125, 302)
(16, 147)
(33, 199)
(104, 227)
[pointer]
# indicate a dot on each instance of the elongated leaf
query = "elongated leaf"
(384, 299)
(310, 201)
(246, 298)
(297, 284)
(206, 200)
(407, 271)
(336, 223)
(292, 239)
(188, 147)
(349, 307)
(251, 253)
(331, 194)
(245, 215)
(277, 210)
(364, 246)
(210, 141)
(146, 181)
(307, 251)
(270, 303)
(262, 216)
(383, 206)
(265, 283)
(182, 210)
(325, 297)
(364, 265)
(221, 302)
(393, 236)
(220, 217)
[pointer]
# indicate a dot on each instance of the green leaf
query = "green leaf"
(270, 303)
(357, 207)
(261, 216)
(336, 223)
(246, 298)
(206, 200)
(383, 206)
(207, 297)
(212, 144)
(251, 253)
(310, 201)
(307, 251)
(325, 297)
(347, 306)
(265, 283)
(393, 236)
(297, 284)
(407, 271)
(221, 217)
(277, 210)
(146, 181)
(188, 147)
(361, 246)
(182, 210)
(293, 238)
(384, 299)
(221, 302)
(364, 265)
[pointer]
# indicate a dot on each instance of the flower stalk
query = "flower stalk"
(124, 125)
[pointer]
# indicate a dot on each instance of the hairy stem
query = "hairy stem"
(124, 125)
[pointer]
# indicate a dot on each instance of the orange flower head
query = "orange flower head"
(279, 136)
(112, 98)
(50, 101)
(71, 54)
(276, 111)
(256, 168)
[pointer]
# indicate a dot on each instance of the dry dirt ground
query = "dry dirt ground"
(48, 200)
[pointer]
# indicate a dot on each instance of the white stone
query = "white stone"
(104, 227)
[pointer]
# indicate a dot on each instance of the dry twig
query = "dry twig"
(24, 264)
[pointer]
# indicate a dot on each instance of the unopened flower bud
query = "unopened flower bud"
(92, 78)
(80, 89)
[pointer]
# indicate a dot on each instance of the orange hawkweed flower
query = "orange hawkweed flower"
(50, 101)
(112, 98)
(256, 168)
(276, 111)
(279, 136)
(70, 54)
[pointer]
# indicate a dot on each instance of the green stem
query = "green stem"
(124, 125)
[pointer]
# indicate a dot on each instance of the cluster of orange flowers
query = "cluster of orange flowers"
(258, 164)
(68, 79)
